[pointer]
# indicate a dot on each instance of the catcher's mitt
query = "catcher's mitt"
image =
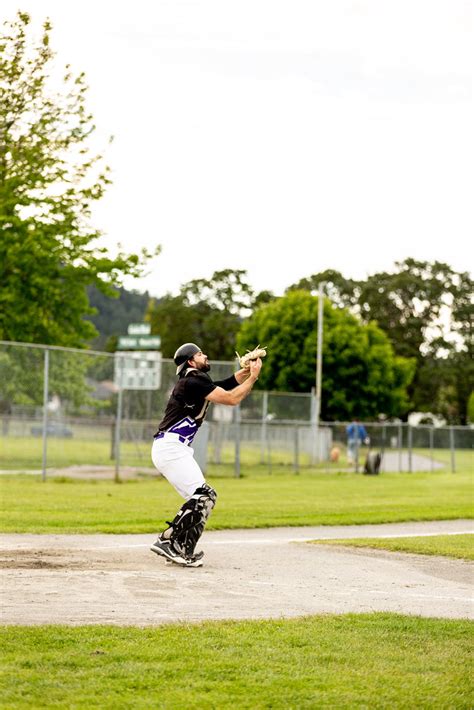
(244, 360)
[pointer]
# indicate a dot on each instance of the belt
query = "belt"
(171, 435)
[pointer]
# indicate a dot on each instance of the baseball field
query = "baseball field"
(378, 616)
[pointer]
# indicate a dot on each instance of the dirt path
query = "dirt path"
(115, 579)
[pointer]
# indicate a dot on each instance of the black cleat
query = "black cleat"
(165, 548)
(195, 560)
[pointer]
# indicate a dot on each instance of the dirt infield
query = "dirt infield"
(269, 573)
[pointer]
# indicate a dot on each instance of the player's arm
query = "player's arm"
(236, 395)
(242, 375)
(229, 383)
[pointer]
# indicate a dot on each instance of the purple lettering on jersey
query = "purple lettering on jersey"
(186, 427)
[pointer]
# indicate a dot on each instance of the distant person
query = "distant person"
(356, 436)
(172, 453)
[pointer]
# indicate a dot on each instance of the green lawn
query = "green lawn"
(73, 506)
(93, 447)
(17, 453)
(460, 546)
(350, 661)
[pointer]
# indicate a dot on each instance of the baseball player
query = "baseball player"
(172, 453)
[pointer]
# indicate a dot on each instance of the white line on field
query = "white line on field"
(279, 541)
(257, 541)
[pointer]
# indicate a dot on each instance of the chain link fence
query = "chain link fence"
(66, 410)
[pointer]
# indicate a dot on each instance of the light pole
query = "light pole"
(319, 364)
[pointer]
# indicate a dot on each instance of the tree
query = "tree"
(226, 290)
(49, 180)
(362, 376)
(470, 408)
(177, 322)
(21, 375)
(425, 309)
(207, 312)
(342, 292)
(408, 304)
(113, 316)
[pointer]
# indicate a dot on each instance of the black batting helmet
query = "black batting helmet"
(183, 354)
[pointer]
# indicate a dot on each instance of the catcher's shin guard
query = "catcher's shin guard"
(188, 525)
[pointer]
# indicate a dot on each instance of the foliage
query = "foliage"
(49, 179)
(426, 311)
(342, 292)
(408, 304)
(21, 377)
(444, 385)
(113, 315)
(470, 408)
(226, 290)
(206, 311)
(362, 375)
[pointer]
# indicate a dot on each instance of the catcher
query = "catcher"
(172, 454)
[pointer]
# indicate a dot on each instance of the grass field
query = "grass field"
(350, 661)
(376, 660)
(459, 546)
(139, 506)
(89, 447)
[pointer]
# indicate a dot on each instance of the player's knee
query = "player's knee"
(206, 492)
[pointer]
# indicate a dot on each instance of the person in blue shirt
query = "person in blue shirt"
(356, 436)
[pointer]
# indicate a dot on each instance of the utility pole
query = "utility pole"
(319, 365)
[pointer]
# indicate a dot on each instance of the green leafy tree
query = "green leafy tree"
(49, 180)
(470, 408)
(342, 292)
(362, 376)
(207, 311)
(113, 316)
(408, 304)
(177, 322)
(426, 311)
(21, 377)
(226, 290)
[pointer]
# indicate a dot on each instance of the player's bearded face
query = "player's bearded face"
(202, 362)
(204, 365)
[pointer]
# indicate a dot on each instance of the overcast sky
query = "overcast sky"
(278, 137)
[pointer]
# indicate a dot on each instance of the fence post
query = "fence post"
(384, 441)
(263, 436)
(431, 447)
(356, 451)
(400, 443)
(112, 440)
(296, 459)
(269, 448)
(237, 441)
(45, 411)
(410, 442)
(319, 367)
(118, 421)
(451, 444)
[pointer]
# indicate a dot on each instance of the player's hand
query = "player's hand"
(255, 367)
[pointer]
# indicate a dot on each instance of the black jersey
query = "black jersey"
(187, 405)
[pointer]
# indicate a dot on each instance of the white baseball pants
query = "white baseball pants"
(175, 461)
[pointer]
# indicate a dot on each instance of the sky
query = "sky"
(281, 138)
